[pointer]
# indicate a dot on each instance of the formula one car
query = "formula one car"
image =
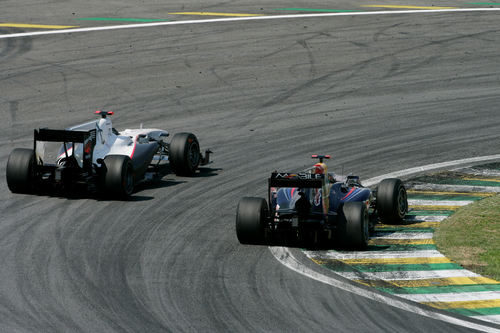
(96, 157)
(316, 206)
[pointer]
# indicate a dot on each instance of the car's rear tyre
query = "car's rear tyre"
(185, 154)
(354, 225)
(392, 201)
(20, 170)
(251, 221)
(119, 176)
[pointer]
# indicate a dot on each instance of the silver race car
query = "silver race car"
(95, 157)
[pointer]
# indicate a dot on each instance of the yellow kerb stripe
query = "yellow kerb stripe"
(378, 241)
(36, 26)
(213, 14)
(496, 180)
(397, 261)
(492, 303)
(408, 226)
(407, 7)
(456, 281)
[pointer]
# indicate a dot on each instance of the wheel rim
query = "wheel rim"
(128, 181)
(402, 202)
(194, 154)
(366, 227)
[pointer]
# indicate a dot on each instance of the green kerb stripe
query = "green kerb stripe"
(317, 10)
(476, 312)
(441, 289)
(341, 267)
(120, 19)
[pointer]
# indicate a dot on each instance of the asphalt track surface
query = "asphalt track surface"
(379, 93)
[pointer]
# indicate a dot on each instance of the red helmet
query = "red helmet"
(319, 168)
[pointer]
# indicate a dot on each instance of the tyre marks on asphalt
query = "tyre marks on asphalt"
(403, 259)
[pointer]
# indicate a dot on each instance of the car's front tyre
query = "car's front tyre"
(392, 200)
(184, 154)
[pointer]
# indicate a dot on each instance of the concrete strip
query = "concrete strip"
(406, 276)
(479, 172)
(372, 254)
(412, 202)
(452, 297)
(492, 319)
(402, 235)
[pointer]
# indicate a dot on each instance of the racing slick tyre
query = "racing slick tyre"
(20, 170)
(119, 176)
(185, 154)
(251, 221)
(392, 201)
(354, 225)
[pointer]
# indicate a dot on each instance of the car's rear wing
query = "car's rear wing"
(301, 180)
(51, 135)
(87, 138)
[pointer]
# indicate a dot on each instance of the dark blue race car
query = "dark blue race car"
(315, 206)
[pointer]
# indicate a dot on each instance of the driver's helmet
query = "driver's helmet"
(319, 168)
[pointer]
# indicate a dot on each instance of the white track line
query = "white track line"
(239, 19)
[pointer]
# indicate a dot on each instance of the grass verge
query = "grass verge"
(471, 237)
